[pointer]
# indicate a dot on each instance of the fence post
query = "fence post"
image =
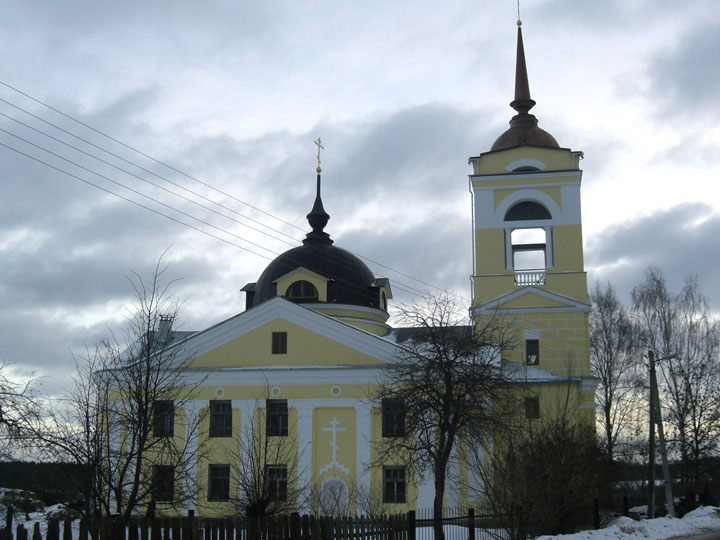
(626, 506)
(471, 524)
(37, 535)
(411, 525)
(187, 525)
(21, 533)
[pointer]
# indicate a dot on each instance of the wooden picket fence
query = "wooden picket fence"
(291, 527)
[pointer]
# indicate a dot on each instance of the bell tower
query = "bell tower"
(527, 248)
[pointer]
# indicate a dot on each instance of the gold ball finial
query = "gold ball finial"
(519, 22)
(318, 170)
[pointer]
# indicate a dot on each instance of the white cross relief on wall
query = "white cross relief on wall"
(333, 444)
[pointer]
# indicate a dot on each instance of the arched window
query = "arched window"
(527, 211)
(302, 291)
(528, 249)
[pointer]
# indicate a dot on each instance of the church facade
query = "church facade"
(296, 369)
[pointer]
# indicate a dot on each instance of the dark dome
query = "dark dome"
(351, 280)
(524, 132)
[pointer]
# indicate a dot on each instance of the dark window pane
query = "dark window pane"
(219, 483)
(302, 291)
(163, 418)
(163, 483)
(393, 417)
(532, 407)
(279, 342)
(220, 419)
(532, 352)
(394, 484)
(276, 482)
(527, 210)
(277, 417)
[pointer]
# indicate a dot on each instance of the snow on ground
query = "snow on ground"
(701, 520)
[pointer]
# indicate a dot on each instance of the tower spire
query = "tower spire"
(524, 128)
(318, 218)
(522, 102)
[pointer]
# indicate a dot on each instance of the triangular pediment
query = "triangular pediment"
(531, 299)
(301, 273)
(313, 339)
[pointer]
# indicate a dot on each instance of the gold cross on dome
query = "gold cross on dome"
(320, 147)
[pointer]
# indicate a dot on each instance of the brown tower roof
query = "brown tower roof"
(524, 128)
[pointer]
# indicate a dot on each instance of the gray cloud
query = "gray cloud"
(682, 241)
(685, 78)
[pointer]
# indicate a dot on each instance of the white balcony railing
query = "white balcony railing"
(529, 277)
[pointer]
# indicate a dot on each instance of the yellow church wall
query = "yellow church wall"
(260, 393)
(567, 247)
(368, 326)
(367, 313)
(531, 300)
(320, 282)
(368, 319)
(499, 195)
(334, 447)
(376, 472)
(167, 452)
(570, 284)
(490, 251)
(304, 347)
(564, 341)
(217, 451)
(556, 159)
(555, 401)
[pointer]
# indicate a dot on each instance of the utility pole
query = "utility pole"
(656, 418)
(651, 443)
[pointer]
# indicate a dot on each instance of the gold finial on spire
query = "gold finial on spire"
(519, 21)
(320, 147)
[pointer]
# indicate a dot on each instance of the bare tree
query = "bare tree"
(542, 475)
(18, 405)
(682, 333)
(119, 420)
(266, 465)
(448, 385)
(614, 363)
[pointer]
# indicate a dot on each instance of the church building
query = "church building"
(296, 368)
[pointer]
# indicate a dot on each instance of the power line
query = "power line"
(131, 163)
(144, 179)
(178, 185)
(136, 191)
(68, 173)
(146, 155)
(345, 286)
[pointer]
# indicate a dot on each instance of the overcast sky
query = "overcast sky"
(224, 100)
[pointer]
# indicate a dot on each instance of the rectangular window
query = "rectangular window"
(532, 407)
(219, 483)
(163, 418)
(393, 484)
(277, 417)
(276, 477)
(220, 418)
(532, 352)
(393, 417)
(279, 342)
(163, 483)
